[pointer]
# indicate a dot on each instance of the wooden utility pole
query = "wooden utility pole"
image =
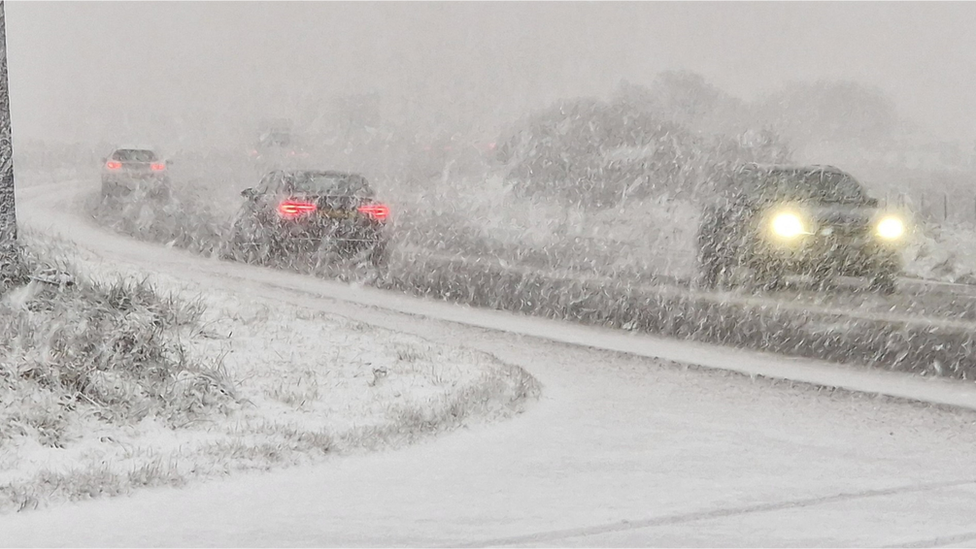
(9, 253)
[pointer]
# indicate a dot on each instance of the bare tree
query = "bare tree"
(8, 216)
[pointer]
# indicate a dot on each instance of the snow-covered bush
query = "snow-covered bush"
(599, 154)
(176, 221)
(71, 350)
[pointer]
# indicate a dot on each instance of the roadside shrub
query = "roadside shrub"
(600, 154)
(109, 350)
(174, 221)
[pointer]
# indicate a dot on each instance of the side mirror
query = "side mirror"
(249, 193)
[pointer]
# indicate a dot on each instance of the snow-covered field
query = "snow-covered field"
(294, 385)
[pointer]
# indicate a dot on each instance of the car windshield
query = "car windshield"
(134, 155)
(818, 185)
(329, 184)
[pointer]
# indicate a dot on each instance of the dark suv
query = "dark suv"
(301, 212)
(766, 222)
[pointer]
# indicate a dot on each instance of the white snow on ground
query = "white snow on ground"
(943, 252)
(306, 382)
(615, 438)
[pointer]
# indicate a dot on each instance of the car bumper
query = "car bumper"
(856, 257)
(345, 236)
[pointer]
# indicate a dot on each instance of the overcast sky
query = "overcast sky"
(153, 71)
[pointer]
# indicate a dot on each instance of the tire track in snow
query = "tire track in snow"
(941, 541)
(681, 518)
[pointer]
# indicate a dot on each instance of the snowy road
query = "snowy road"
(623, 449)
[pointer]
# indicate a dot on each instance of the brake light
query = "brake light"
(157, 166)
(378, 212)
(113, 165)
(294, 208)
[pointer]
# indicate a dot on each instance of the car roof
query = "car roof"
(792, 168)
(135, 148)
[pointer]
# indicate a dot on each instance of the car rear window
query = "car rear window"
(134, 155)
(329, 184)
(276, 139)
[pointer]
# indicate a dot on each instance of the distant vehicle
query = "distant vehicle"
(127, 170)
(298, 212)
(767, 222)
(279, 144)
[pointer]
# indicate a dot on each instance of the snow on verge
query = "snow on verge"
(943, 252)
(113, 384)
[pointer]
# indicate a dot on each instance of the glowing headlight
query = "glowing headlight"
(891, 228)
(787, 225)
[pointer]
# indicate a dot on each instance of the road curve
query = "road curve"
(623, 449)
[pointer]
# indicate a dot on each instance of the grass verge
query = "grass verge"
(109, 384)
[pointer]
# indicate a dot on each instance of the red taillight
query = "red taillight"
(379, 212)
(295, 208)
(157, 166)
(113, 165)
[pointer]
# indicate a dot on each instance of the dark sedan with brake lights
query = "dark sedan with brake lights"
(128, 170)
(300, 212)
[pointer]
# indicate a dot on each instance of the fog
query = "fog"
(198, 72)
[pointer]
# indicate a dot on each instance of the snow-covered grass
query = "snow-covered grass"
(472, 216)
(179, 221)
(109, 384)
(945, 252)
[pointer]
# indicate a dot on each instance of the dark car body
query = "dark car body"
(772, 221)
(128, 170)
(303, 211)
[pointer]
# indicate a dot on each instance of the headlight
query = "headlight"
(891, 228)
(787, 225)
